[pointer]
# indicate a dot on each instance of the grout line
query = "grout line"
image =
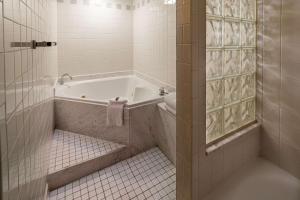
(280, 89)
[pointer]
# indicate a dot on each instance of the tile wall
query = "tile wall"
(116, 35)
(184, 101)
(280, 83)
(94, 36)
(154, 39)
(26, 96)
(198, 170)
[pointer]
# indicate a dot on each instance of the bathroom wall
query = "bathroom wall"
(154, 40)
(114, 35)
(26, 96)
(94, 36)
(280, 80)
(201, 168)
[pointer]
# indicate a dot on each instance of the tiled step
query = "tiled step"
(147, 176)
(74, 156)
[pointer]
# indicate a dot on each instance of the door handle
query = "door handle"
(33, 44)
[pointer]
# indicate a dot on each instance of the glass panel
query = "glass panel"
(247, 111)
(232, 62)
(248, 85)
(214, 125)
(230, 66)
(214, 94)
(214, 7)
(213, 63)
(248, 33)
(232, 118)
(214, 33)
(232, 8)
(232, 90)
(248, 61)
(248, 9)
(232, 33)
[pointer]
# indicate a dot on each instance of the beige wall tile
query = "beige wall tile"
(1, 28)
(289, 158)
(2, 80)
(183, 160)
(289, 127)
(217, 165)
(280, 82)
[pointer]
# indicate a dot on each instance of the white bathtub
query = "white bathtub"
(87, 116)
(132, 88)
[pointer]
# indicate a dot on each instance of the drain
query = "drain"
(83, 96)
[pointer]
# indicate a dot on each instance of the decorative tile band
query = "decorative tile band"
(114, 4)
(120, 5)
(126, 5)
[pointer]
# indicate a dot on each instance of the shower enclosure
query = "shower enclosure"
(245, 65)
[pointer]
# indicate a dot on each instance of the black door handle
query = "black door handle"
(36, 44)
(33, 44)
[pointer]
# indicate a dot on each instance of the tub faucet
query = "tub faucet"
(61, 80)
(162, 91)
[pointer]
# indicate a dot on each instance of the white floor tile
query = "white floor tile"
(69, 149)
(149, 175)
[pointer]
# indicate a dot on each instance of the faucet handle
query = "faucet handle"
(61, 79)
(162, 91)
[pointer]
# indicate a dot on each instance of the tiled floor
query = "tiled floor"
(68, 149)
(149, 175)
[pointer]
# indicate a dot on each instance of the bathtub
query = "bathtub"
(80, 107)
(135, 90)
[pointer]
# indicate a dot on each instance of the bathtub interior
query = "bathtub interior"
(131, 88)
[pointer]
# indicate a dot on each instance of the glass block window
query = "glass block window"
(230, 66)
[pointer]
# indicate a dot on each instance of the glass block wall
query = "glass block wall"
(230, 66)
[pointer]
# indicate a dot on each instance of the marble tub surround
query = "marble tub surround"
(149, 175)
(141, 136)
(89, 119)
(165, 131)
(74, 155)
